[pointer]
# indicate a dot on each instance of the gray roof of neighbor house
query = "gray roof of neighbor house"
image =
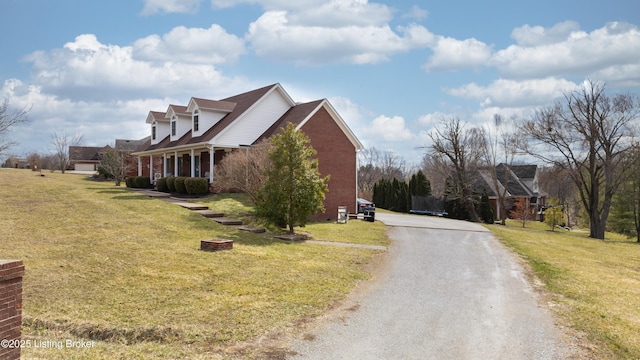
(131, 145)
(512, 177)
(87, 153)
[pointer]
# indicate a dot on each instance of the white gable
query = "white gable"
(256, 120)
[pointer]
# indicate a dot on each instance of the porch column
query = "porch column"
(193, 163)
(151, 168)
(164, 165)
(175, 164)
(139, 165)
(211, 160)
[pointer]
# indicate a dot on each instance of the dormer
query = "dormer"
(159, 126)
(206, 113)
(179, 121)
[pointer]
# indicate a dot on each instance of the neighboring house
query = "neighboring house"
(521, 182)
(190, 139)
(131, 161)
(86, 158)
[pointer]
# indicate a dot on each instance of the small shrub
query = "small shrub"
(179, 184)
(161, 185)
(130, 181)
(171, 184)
(196, 186)
(142, 182)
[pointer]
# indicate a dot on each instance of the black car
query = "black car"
(367, 208)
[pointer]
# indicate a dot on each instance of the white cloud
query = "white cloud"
(170, 6)
(433, 119)
(510, 93)
(579, 53)
(190, 45)
(87, 69)
(340, 13)
(537, 35)
(272, 36)
(622, 75)
(417, 13)
(389, 129)
(99, 122)
(451, 54)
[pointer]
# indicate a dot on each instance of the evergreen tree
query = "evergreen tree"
(486, 212)
(294, 189)
(422, 186)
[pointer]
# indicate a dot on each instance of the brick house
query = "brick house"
(521, 182)
(188, 140)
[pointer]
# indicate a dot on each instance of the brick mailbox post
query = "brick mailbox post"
(11, 273)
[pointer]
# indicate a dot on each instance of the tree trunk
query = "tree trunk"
(597, 228)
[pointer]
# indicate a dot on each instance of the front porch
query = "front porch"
(187, 162)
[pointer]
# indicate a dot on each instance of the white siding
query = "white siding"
(254, 122)
(207, 119)
(163, 129)
(183, 125)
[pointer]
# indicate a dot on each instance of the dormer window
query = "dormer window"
(173, 126)
(153, 130)
(196, 120)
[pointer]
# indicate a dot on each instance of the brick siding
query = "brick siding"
(11, 273)
(337, 158)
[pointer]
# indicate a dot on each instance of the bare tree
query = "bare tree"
(522, 211)
(7, 121)
(556, 182)
(499, 149)
(437, 171)
(392, 166)
(61, 142)
(115, 163)
(461, 148)
(368, 171)
(587, 135)
(245, 169)
(374, 166)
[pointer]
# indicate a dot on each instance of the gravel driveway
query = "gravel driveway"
(448, 290)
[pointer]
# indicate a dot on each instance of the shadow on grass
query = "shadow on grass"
(132, 197)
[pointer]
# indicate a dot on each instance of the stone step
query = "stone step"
(252, 229)
(192, 206)
(209, 213)
(227, 221)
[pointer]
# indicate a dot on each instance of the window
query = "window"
(153, 131)
(173, 126)
(196, 120)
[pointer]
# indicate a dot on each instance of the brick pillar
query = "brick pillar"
(11, 272)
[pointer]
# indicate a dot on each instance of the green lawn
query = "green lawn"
(107, 264)
(595, 284)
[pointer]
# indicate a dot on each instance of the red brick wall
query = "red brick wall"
(11, 272)
(157, 165)
(336, 157)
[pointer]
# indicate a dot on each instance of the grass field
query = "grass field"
(107, 264)
(595, 284)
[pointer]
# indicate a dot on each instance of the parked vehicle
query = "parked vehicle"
(367, 208)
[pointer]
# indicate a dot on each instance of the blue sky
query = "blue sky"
(392, 69)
